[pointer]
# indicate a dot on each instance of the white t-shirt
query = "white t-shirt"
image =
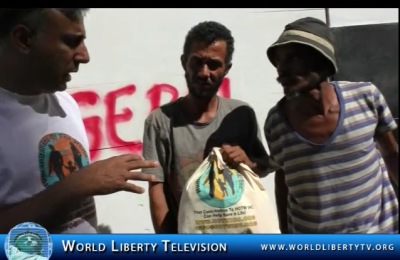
(42, 140)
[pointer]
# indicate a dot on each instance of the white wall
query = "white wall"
(143, 47)
(356, 16)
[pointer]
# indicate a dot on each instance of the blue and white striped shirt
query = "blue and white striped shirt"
(341, 186)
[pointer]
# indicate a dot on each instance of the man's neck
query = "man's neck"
(201, 109)
(14, 80)
(17, 85)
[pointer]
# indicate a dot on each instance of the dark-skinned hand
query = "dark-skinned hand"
(112, 175)
(234, 155)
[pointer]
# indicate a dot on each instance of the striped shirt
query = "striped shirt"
(341, 186)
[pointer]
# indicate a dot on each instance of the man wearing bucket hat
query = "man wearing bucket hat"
(324, 136)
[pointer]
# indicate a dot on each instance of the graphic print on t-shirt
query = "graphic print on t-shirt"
(59, 156)
(188, 165)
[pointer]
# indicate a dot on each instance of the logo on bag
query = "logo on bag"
(220, 188)
(28, 241)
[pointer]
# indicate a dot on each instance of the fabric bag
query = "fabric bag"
(217, 200)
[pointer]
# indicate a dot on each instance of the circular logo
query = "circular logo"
(59, 156)
(28, 241)
(222, 189)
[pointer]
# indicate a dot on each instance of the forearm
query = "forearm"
(159, 214)
(261, 166)
(162, 217)
(281, 194)
(44, 207)
(389, 149)
(392, 165)
(281, 206)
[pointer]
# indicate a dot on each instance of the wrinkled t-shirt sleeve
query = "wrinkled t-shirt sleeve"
(154, 150)
(385, 118)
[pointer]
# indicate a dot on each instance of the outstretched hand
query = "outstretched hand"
(112, 175)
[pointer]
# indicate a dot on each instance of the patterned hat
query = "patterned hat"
(308, 31)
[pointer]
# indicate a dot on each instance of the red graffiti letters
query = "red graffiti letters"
(92, 124)
(225, 88)
(154, 94)
(111, 118)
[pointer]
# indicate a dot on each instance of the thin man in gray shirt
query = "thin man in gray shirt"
(181, 134)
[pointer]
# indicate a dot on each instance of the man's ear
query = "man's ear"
(183, 62)
(228, 67)
(21, 37)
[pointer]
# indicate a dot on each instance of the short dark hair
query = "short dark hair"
(209, 32)
(9, 17)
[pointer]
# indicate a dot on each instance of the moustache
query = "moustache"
(292, 71)
(202, 82)
(287, 78)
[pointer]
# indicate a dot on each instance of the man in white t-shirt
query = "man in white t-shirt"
(45, 176)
